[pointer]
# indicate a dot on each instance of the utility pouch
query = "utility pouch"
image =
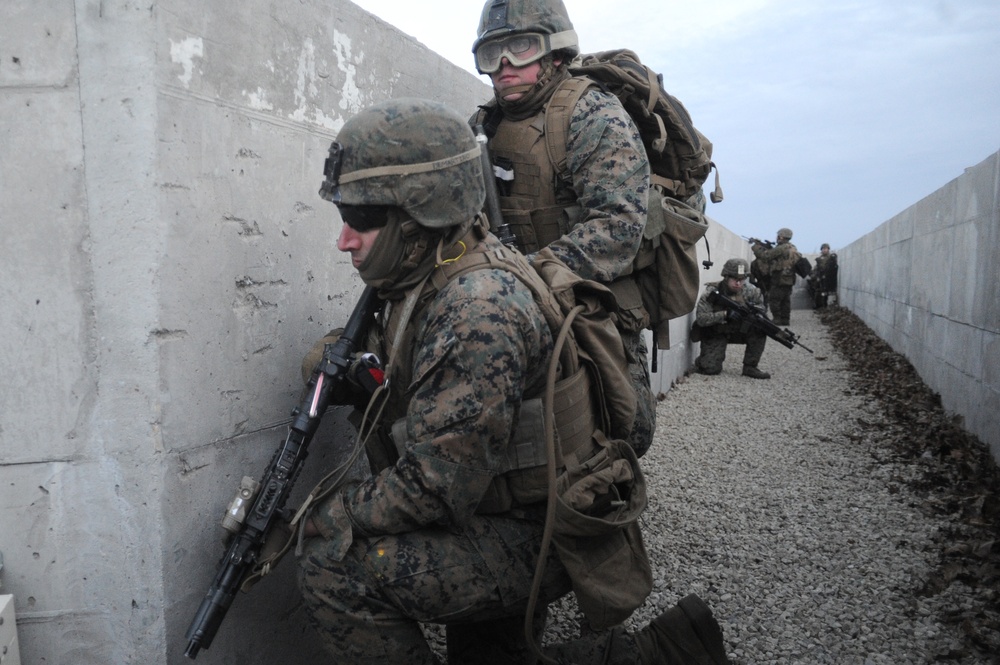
(596, 533)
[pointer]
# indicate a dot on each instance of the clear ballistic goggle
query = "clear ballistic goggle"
(520, 49)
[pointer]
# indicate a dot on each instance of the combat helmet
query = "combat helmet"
(738, 268)
(415, 154)
(543, 27)
(785, 233)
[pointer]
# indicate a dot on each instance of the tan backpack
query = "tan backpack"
(590, 477)
(680, 159)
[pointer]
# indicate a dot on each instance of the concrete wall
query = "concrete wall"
(926, 282)
(166, 262)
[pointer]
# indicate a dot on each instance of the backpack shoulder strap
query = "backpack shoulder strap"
(503, 258)
(558, 111)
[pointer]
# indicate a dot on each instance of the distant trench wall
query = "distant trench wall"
(926, 281)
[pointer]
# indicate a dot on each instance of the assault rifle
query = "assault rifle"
(767, 243)
(266, 499)
(754, 318)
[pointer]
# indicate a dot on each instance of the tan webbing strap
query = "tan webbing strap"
(558, 112)
(550, 507)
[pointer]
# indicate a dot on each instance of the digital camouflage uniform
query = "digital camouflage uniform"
(413, 542)
(408, 545)
(602, 212)
(717, 333)
(410, 536)
(780, 261)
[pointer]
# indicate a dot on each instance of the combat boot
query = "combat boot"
(755, 373)
(686, 634)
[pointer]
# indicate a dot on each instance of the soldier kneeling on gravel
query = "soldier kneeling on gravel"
(716, 327)
(428, 537)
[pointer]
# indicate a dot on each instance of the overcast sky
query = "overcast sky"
(828, 116)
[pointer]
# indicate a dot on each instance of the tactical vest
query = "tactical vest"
(523, 478)
(539, 202)
(539, 206)
(782, 266)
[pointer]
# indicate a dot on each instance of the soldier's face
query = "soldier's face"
(735, 284)
(509, 76)
(358, 243)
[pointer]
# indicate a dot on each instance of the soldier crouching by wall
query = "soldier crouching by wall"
(716, 327)
(424, 539)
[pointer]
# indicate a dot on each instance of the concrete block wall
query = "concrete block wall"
(167, 262)
(925, 281)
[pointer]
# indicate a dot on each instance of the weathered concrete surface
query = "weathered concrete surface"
(925, 281)
(166, 262)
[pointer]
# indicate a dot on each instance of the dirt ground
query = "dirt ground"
(956, 476)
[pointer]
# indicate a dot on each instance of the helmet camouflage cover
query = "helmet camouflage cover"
(546, 17)
(785, 233)
(736, 268)
(416, 154)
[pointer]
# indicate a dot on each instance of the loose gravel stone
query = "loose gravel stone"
(765, 501)
(780, 503)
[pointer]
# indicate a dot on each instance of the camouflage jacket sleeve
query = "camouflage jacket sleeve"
(780, 256)
(610, 173)
(706, 314)
(478, 347)
(753, 297)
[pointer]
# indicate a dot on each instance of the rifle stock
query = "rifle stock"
(753, 317)
(278, 479)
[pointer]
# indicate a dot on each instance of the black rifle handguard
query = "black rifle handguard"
(277, 482)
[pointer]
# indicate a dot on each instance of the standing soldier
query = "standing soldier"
(425, 539)
(716, 328)
(824, 276)
(780, 260)
(591, 211)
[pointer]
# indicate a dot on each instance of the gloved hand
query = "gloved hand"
(361, 380)
(316, 353)
(734, 316)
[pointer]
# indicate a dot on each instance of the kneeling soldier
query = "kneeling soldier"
(716, 327)
(420, 540)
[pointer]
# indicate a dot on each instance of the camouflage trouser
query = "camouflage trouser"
(367, 607)
(645, 416)
(780, 300)
(713, 347)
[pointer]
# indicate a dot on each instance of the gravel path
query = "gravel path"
(768, 499)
